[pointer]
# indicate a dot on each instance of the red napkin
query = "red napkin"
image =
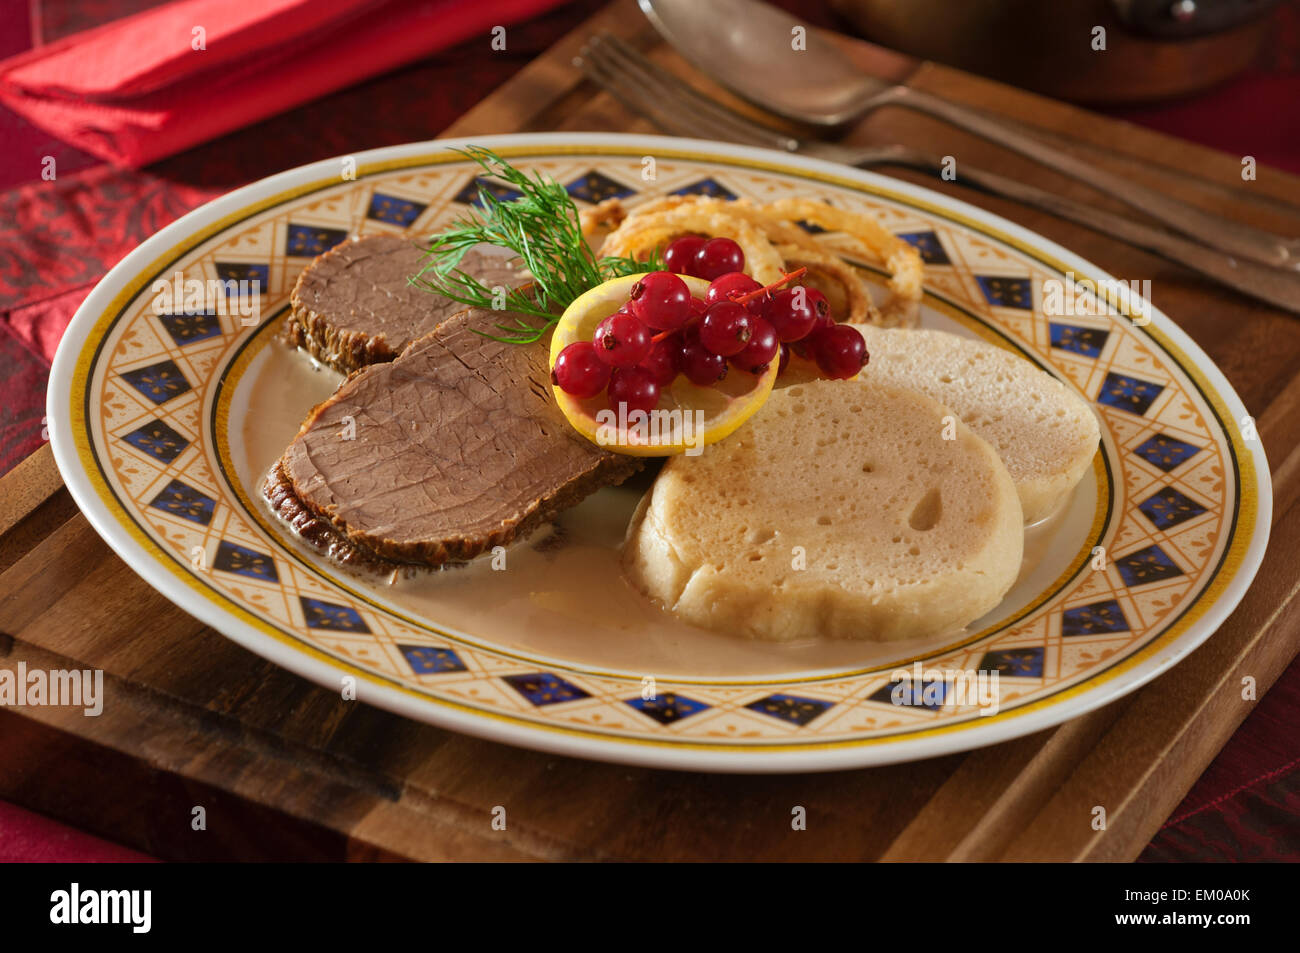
(137, 89)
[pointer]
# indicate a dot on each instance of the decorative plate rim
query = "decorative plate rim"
(70, 440)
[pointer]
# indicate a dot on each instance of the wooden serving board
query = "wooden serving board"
(287, 770)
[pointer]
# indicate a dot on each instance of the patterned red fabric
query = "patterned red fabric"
(22, 391)
(1246, 806)
(58, 238)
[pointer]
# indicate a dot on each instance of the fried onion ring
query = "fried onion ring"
(603, 216)
(901, 260)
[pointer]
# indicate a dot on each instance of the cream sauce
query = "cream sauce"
(562, 594)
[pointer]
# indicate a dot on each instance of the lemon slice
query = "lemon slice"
(686, 419)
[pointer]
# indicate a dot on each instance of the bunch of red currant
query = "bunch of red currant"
(663, 331)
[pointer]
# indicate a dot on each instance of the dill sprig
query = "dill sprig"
(542, 228)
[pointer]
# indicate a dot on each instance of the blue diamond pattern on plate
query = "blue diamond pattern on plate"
(544, 688)
(184, 501)
(904, 693)
(430, 660)
(596, 187)
(242, 271)
(1168, 507)
(469, 194)
(929, 246)
(1128, 393)
(1095, 618)
(389, 208)
(791, 708)
(320, 614)
(1026, 662)
(231, 557)
(710, 187)
(159, 382)
(308, 241)
(667, 708)
(191, 326)
(1007, 292)
(812, 228)
(1165, 452)
(1088, 342)
(158, 440)
(1146, 565)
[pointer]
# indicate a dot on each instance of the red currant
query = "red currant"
(664, 359)
(579, 371)
(634, 387)
(840, 351)
(725, 328)
(793, 312)
(701, 366)
(718, 256)
(621, 339)
(821, 306)
(698, 306)
(761, 350)
(759, 304)
(727, 286)
(661, 300)
(803, 347)
(679, 257)
(785, 359)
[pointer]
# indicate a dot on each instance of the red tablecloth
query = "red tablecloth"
(57, 238)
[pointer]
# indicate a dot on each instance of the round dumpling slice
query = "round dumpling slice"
(843, 509)
(1045, 433)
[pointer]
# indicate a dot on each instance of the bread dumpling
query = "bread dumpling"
(1045, 433)
(842, 509)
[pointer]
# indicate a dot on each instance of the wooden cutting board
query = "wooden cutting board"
(284, 769)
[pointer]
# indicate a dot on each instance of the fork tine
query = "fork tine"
(663, 83)
(733, 124)
(642, 93)
(672, 97)
(636, 98)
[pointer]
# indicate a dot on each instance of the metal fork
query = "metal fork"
(678, 108)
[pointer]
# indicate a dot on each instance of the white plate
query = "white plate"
(148, 414)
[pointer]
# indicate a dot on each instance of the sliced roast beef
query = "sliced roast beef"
(355, 305)
(451, 449)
